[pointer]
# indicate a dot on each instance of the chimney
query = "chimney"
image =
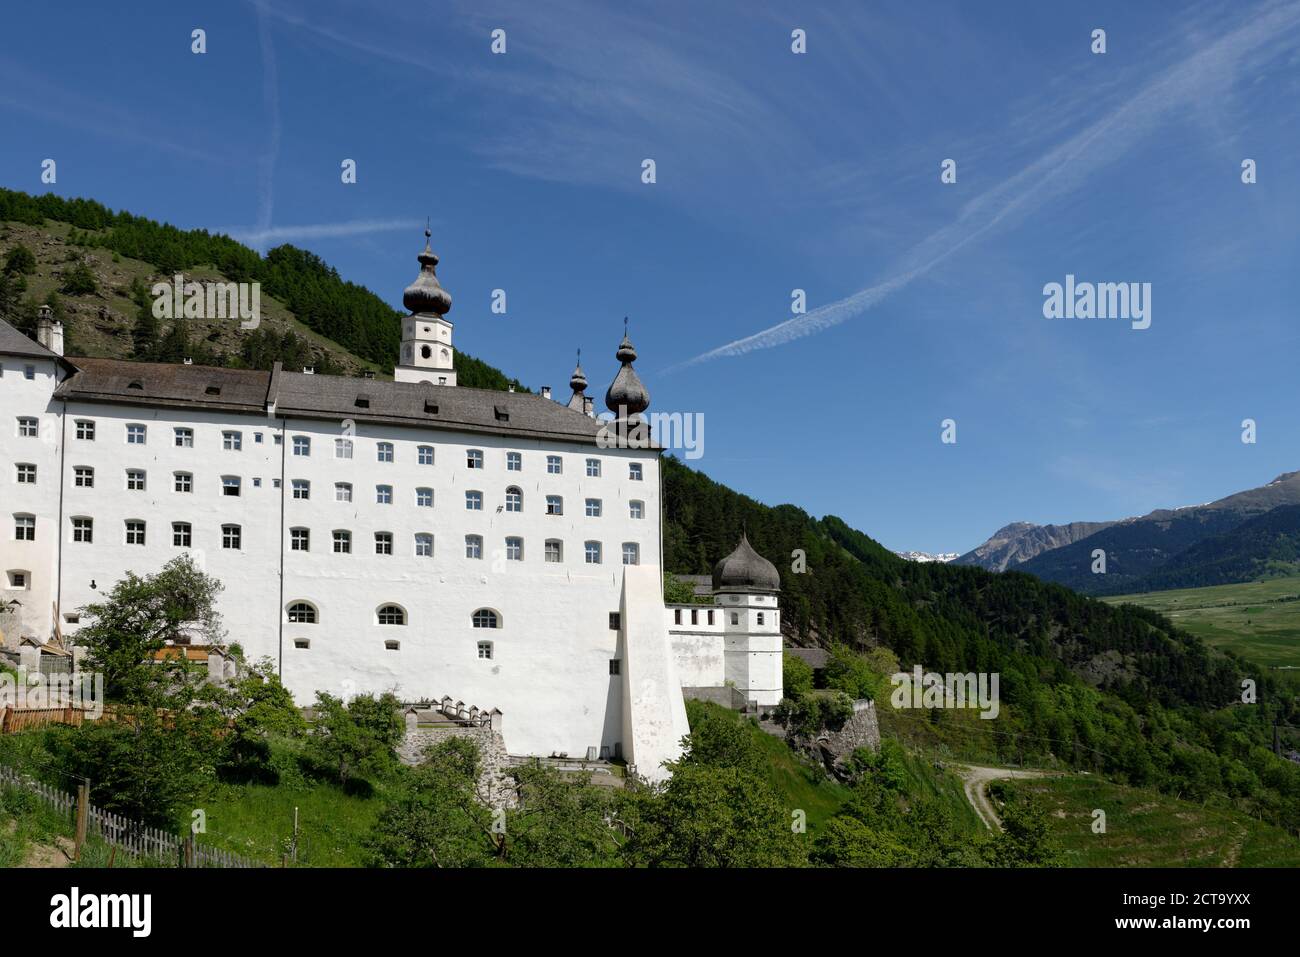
(511, 388)
(546, 392)
(308, 370)
(49, 331)
(589, 406)
(188, 361)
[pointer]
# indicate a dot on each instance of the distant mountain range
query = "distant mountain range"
(1236, 538)
(928, 556)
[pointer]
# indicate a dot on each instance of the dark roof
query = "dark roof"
(327, 397)
(745, 570)
(14, 343)
(814, 658)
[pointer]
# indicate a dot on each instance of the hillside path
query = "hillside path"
(975, 780)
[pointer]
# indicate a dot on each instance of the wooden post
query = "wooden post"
(83, 813)
(187, 848)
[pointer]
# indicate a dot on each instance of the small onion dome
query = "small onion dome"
(626, 397)
(425, 294)
(578, 381)
(745, 570)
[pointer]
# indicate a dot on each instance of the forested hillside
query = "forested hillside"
(351, 316)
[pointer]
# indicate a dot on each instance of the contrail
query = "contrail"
(256, 236)
(1057, 171)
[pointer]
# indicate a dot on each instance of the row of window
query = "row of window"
(83, 476)
(232, 537)
(484, 649)
(305, 613)
(233, 441)
(695, 616)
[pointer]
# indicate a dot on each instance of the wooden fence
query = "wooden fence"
(136, 839)
(13, 720)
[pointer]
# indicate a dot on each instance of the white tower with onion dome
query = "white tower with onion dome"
(426, 354)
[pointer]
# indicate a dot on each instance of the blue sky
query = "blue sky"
(775, 171)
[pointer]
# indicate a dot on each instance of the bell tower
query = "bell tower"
(426, 353)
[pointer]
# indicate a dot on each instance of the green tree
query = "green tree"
(20, 261)
(560, 821)
(358, 737)
(144, 333)
(439, 820)
(79, 281)
(138, 618)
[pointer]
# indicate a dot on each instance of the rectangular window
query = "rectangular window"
(383, 543)
(29, 372)
(385, 451)
(631, 553)
(343, 448)
(424, 497)
(301, 445)
(473, 546)
(229, 485)
(27, 427)
(636, 509)
(514, 462)
(231, 537)
(26, 474)
(232, 441)
(677, 616)
(301, 488)
(135, 480)
(613, 666)
(83, 530)
(615, 621)
(184, 482)
(83, 476)
(182, 534)
(342, 492)
(554, 550)
(485, 650)
(474, 501)
(184, 438)
(425, 454)
(593, 468)
(592, 551)
(760, 617)
(593, 508)
(514, 549)
(423, 545)
(554, 505)
(554, 465)
(299, 539)
(634, 471)
(695, 616)
(342, 543)
(710, 616)
(25, 528)
(86, 430)
(735, 618)
(135, 434)
(473, 459)
(135, 532)
(383, 495)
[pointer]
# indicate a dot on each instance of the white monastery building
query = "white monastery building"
(498, 549)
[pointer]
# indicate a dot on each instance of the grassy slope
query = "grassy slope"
(1148, 829)
(109, 335)
(1259, 620)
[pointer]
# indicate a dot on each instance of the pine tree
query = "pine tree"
(144, 334)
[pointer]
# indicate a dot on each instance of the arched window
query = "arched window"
(486, 618)
(302, 613)
(514, 499)
(391, 615)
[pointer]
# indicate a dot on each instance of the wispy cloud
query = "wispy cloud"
(1179, 87)
(271, 99)
(263, 236)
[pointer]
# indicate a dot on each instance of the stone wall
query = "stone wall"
(495, 784)
(860, 731)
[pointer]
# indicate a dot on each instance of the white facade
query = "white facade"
(513, 568)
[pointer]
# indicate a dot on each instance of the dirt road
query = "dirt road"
(975, 780)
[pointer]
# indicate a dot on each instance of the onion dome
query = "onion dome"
(578, 381)
(425, 294)
(745, 570)
(627, 397)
